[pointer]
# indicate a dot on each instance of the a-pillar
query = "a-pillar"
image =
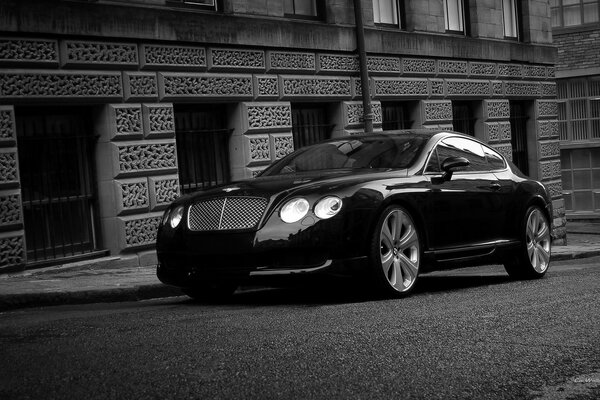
(137, 176)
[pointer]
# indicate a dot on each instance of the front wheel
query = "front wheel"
(395, 252)
(533, 258)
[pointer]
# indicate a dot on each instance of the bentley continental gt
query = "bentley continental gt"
(388, 206)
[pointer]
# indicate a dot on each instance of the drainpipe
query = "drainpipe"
(364, 73)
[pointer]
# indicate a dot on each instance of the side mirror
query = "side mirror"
(450, 164)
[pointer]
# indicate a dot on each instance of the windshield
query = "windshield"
(354, 152)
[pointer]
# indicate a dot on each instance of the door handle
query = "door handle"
(495, 186)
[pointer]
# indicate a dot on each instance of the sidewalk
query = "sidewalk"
(93, 282)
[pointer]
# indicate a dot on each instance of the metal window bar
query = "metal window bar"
(58, 194)
(395, 117)
(203, 158)
(518, 130)
(309, 127)
(462, 119)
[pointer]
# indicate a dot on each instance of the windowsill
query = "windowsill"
(190, 6)
(388, 26)
(576, 28)
(456, 33)
(567, 144)
(304, 17)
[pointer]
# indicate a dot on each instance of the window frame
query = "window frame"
(463, 5)
(400, 14)
(580, 122)
(319, 11)
(515, 9)
(560, 7)
(196, 5)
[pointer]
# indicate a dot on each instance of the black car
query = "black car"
(389, 206)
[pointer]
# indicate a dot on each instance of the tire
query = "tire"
(395, 254)
(532, 259)
(211, 292)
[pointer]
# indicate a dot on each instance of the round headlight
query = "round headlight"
(294, 210)
(176, 216)
(328, 207)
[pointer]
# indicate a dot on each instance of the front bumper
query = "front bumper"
(309, 247)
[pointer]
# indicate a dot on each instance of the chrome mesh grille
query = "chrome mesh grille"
(226, 213)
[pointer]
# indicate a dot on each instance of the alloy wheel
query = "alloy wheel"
(399, 250)
(538, 241)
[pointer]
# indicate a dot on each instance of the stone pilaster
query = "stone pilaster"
(496, 126)
(434, 114)
(12, 237)
(546, 114)
(137, 173)
(262, 133)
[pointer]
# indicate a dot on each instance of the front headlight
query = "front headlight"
(328, 207)
(294, 210)
(176, 216)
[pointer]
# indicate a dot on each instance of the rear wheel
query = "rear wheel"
(533, 258)
(215, 291)
(395, 252)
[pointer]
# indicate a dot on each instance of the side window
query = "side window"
(494, 159)
(459, 147)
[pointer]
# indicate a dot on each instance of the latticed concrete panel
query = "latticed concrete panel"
(131, 196)
(24, 51)
(235, 60)
(260, 117)
(125, 121)
(496, 109)
(159, 120)
(12, 249)
(168, 57)
(144, 158)
(138, 231)
(61, 85)
(98, 54)
(257, 149)
(182, 86)
(163, 191)
(305, 87)
(8, 135)
(140, 86)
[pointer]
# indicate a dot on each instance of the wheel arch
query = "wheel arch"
(412, 208)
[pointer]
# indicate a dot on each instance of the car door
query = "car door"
(466, 207)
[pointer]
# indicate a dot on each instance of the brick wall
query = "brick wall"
(578, 50)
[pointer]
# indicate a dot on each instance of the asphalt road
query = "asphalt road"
(463, 334)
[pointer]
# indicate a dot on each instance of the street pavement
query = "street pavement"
(94, 282)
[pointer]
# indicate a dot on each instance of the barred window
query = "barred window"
(579, 109)
(566, 13)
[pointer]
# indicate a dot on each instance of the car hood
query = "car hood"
(290, 184)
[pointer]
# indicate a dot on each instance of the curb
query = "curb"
(575, 255)
(134, 293)
(148, 291)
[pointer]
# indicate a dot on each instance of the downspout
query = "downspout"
(364, 72)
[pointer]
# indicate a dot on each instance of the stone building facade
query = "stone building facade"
(576, 33)
(110, 109)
